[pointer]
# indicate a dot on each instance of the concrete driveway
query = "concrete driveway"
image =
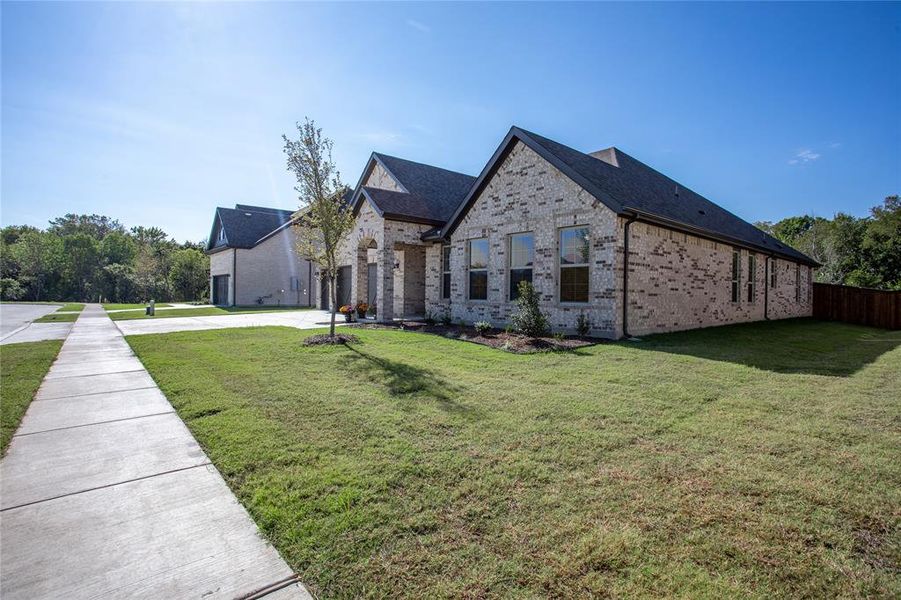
(301, 319)
(16, 323)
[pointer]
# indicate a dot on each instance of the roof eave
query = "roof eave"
(714, 236)
(412, 219)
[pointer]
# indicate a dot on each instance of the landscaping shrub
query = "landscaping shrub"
(583, 325)
(529, 320)
(482, 327)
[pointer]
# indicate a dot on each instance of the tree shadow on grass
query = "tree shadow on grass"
(406, 380)
(804, 346)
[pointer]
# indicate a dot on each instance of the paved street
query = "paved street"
(16, 323)
(106, 494)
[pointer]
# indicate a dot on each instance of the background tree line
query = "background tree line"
(863, 252)
(88, 257)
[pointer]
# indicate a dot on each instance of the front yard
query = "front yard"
(750, 461)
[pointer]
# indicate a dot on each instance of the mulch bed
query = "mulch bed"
(324, 339)
(498, 338)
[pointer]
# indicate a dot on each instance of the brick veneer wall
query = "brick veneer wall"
(380, 178)
(267, 269)
(528, 194)
(395, 241)
(679, 281)
(676, 281)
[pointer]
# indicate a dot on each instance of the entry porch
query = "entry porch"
(392, 279)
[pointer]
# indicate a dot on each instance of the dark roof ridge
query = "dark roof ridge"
(416, 162)
(261, 209)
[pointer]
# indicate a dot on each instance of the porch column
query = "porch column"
(359, 277)
(384, 298)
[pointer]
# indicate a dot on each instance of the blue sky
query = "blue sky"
(155, 113)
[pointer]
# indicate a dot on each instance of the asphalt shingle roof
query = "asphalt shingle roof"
(634, 185)
(434, 193)
(245, 225)
(625, 184)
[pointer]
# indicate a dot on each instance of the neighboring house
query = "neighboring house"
(434, 241)
(253, 258)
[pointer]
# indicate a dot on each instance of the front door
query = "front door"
(220, 290)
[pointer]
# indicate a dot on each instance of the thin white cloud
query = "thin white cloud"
(419, 25)
(382, 137)
(835, 145)
(804, 156)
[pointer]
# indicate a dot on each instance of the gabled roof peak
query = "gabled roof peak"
(608, 155)
(428, 194)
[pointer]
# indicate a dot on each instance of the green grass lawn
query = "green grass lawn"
(752, 461)
(142, 306)
(22, 368)
(209, 311)
(69, 314)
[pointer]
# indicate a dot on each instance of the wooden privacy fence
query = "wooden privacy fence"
(877, 308)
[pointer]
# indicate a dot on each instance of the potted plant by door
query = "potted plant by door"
(362, 307)
(348, 311)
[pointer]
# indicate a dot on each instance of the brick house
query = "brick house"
(600, 234)
(253, 259)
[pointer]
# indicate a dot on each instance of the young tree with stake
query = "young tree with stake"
(324, 219)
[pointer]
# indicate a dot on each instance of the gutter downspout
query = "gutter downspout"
(631, 220)
(766, 288)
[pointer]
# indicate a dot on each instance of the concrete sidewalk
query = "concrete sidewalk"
(106, 494)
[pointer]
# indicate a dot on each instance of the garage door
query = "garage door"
(220, 290)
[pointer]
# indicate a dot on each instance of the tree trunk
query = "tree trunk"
(333, 292)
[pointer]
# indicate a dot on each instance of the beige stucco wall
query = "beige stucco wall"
(527, 194)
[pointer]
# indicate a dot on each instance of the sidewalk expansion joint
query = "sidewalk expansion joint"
(148, 387)
(168, 412)
(50, 378)
(103, 487)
